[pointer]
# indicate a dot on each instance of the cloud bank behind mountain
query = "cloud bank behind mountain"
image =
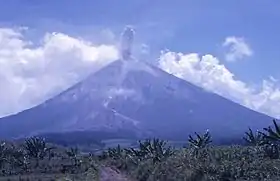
(30, 74)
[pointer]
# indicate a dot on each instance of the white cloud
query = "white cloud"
(30, 75)
(209, 73)
(237, 49)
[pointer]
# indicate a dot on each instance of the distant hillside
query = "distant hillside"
(84, 137)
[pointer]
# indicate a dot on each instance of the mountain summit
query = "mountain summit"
(128, 95)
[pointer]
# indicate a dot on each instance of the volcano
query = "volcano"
(136, 97)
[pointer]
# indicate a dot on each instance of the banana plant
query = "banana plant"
(200, 141)
(116, 153)
(155, 149)
(36, 148)
(18, 158)
(134, 155)
(73, 154)
(254, 139)
(272, 135)
(3, 154)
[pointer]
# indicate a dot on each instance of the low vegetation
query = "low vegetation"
(151, 160)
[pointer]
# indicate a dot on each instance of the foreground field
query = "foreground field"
(151, 160)
(212, 163)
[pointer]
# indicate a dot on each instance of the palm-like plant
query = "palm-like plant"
(155, 149)
(36, 148)
(120, 157)
(3, 154)
(200, 141)
(272, 135)
(272, 138)
(73, 154)
(116, 153)
(254, 139)
(18, 158)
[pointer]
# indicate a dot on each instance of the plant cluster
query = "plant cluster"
(35, 157)
(200, 161)
(152, 159)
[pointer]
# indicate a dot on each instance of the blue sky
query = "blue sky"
(183, 25)
(187, 26)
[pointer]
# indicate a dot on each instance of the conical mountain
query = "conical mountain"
(139, 98)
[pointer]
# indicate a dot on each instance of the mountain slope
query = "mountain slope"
(136, 97)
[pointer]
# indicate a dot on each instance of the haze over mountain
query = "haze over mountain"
(135, 97)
